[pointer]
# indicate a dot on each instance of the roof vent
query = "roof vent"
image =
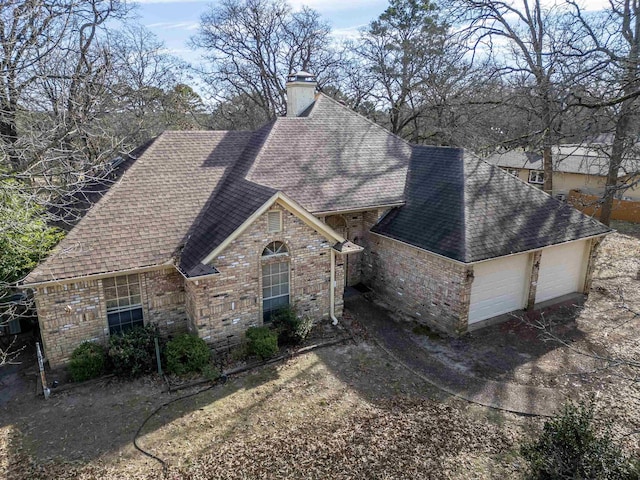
(301, 91)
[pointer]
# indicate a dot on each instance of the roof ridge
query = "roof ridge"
(226, 183)
(272, 124)
(201, 130)
(465, 207)
(95, 208)
(351, 110)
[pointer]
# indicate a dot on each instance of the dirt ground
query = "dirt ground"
(347, 411)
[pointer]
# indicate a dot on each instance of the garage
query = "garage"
(499, 286)
(562, 270)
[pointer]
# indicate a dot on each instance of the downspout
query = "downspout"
(332, 292)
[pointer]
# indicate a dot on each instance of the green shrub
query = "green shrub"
(87, 361)
(292, 329)
(210, 372)
(262, 341)
(570, 447)
(187, 353)
(133, 353)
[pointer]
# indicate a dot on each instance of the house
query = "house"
(213, 231)
(576, 167)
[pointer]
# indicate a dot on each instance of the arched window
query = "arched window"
(275, 249)
(275, 279)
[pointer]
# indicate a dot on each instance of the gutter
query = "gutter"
(538, 249)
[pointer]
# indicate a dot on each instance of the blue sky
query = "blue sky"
(175, 21)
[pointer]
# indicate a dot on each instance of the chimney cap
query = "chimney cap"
(301, 76)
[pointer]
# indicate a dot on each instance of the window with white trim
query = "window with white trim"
(124, 303)
(512, 171)
(275, 249)
(275, 279)
(536, 176)
(274, 221)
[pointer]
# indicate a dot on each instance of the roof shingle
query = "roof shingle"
(463, 208)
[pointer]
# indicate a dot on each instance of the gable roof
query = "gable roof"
(145, 217)
(190, 190)
(586, 160)
(463, 208)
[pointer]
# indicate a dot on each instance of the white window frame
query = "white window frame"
(271, 252)
(536, 177)
(274, 281)
(123, 297)
(512, 171)
(275, 249)
(271, 214)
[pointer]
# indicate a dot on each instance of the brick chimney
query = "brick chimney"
(301, 92)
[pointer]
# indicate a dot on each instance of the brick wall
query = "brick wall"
(70, 314)
(223, 306)
(419, 285)
(163, 299)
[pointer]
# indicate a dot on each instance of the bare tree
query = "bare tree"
(611, 47)
(252, 44)
(527, 43)
(399, 52)
(64, 116)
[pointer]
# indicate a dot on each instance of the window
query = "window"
(275, 288)
(512, 171)
(275, 249)
(124, 303)
(536, 176)
(274, 221)
(275, 280)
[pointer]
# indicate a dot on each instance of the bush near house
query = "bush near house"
(187, 353)
(133, 353)
(292, 329)
(262, 341)
(87, 361)
(570, 447)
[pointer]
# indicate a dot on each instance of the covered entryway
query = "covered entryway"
(562, 270)
(352, 261)
(499, 286)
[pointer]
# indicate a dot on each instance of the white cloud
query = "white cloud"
(169, 1)
(348, 33)
(330, 5)
(175, 25)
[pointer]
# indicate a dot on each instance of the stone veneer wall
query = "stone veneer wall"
(72, 313)
(417, 284)
(223, 306)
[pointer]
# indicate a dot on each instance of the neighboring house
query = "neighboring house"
(576, 167)
(214, 231)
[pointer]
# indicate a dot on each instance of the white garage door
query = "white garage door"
(561, 270)
(499, 286)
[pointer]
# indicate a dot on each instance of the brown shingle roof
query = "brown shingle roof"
(144, 219)
(333, 159)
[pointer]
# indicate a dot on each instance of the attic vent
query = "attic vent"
(274, 220)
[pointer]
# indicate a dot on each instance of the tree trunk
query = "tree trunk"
(617, 153)
(8, 137)
(547, 165)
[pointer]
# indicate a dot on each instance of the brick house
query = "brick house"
(211, 232)
(576, 167)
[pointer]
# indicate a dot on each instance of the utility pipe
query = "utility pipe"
(332, 293)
